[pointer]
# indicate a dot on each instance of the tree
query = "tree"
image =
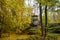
(41, 19)
(14, 15)
(46, 3)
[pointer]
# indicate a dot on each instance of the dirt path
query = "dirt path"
(14, 37)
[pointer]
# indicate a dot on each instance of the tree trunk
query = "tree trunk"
(0, 33)
(41, 23)
(46, 21)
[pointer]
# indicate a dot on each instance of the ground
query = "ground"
(16, 37)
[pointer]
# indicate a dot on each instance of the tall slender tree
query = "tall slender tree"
(46, 3)
(41, 19)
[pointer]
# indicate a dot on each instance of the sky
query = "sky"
(33, 5)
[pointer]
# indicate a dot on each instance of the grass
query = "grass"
(18, 37)
(13, 36)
